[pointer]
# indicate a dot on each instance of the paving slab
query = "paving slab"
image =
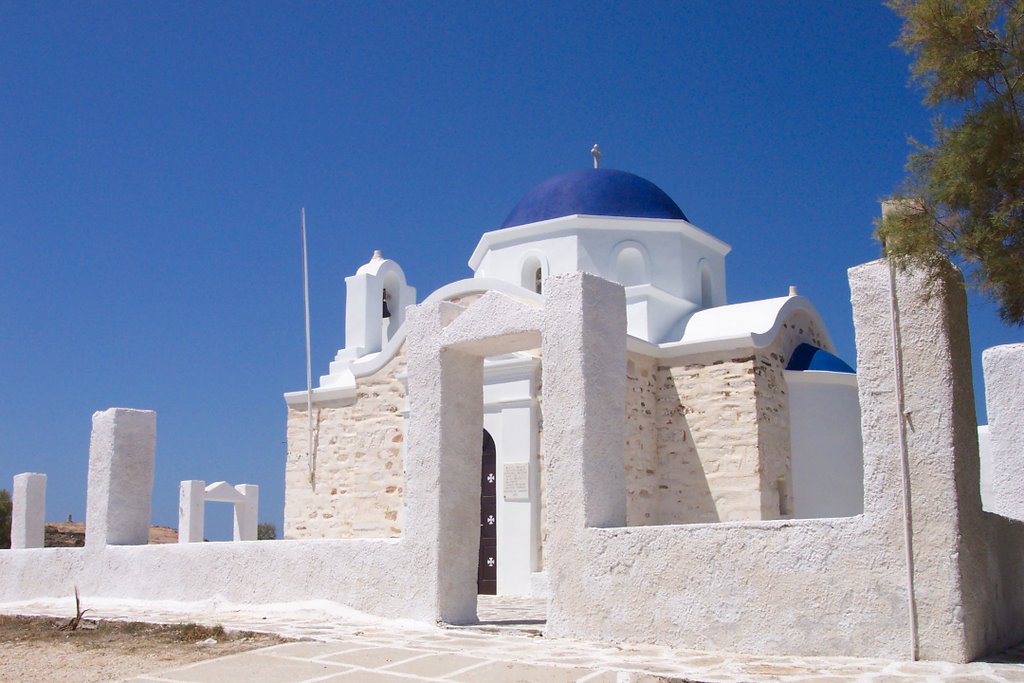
(253, 666)
(515, 672)
(350, 647)
(436, 665)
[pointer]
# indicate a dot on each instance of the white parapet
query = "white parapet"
(1004, 399)
(28, 513)
(122, 454)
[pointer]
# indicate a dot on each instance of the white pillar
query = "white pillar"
(247, 512)
(122, 454)
(584, 385)
(442, 499)
(584, 380)
(191, 500)
(1004, 399)
(28, 512)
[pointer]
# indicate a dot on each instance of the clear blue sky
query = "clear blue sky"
(154, 157)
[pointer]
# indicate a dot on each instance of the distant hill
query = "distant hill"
(72, 535)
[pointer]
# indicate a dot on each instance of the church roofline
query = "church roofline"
(751, 324)
(568, 224)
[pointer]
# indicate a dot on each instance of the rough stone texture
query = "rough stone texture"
(360, 473)
(28, 510)
(773, 436)
(1004, 400)
(707, 440)
(122, 455)
(643, 483)
(723, 449)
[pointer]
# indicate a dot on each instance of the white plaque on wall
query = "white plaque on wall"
(516, 485)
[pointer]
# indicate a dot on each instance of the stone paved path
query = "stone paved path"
(505, 648)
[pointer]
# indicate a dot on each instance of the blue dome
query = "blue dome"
(807, 357)
(594, 192)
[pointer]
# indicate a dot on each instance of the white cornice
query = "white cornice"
(565, 225)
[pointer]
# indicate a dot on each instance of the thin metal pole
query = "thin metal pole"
(311, 457)
(908, 527)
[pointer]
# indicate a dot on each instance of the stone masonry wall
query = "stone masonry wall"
(641, 449)
(707, 454)
(707, 440)
(772, 396)
(722, 446)
(360, 478)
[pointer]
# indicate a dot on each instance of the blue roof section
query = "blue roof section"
(594, 192)
(807, 357)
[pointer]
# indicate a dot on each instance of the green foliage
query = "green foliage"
(266, 532)
(5, 518)
(964, 193)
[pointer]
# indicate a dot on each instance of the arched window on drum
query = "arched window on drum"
(532, 274)
(631, 267)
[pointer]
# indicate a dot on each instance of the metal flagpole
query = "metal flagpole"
(311, 457)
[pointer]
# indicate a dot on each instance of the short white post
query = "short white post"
(28, 512)
(191, 499)
(247, 512)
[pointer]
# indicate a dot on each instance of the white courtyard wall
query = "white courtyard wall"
(831, 586)
(373, 576)
(817, 587)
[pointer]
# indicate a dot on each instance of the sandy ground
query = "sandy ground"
(37, 650)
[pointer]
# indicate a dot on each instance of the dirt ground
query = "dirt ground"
(37, 650)
(72, 535)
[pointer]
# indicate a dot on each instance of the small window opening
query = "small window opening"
(532, 274)
(705, 287)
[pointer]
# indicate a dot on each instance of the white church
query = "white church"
(734, 411)
(587, 420)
